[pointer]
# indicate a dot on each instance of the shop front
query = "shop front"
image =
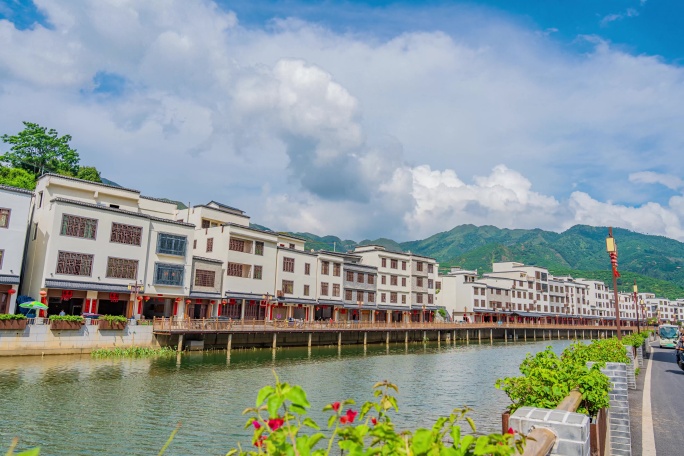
(108, 304)
(254, 310)
(323, 312)
(7, 291)
(231, 308)
(84, 298)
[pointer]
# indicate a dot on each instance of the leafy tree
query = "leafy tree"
(37, 149)
(89, 173)
(16, 177)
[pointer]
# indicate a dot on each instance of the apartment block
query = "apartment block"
(15, 207)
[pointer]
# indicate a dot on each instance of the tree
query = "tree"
(16, 177)
(89, 173)
(38, 150)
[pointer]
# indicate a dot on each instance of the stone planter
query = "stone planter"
(111, 325)
(597, 433)
(15, 325)
(65, 325)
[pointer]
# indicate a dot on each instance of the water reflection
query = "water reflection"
(78, 405)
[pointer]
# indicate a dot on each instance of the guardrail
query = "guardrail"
(541, 440)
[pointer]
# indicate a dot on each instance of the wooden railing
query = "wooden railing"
(214, 325)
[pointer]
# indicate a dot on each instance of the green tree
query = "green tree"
(89, 173)
(37, 150)
(16, 177)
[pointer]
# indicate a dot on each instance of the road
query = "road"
(667, 402)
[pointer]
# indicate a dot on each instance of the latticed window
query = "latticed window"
(393, 298)
(403, 281)
(306, 290)
(210, 244)
(288, 286)
(360, 277)
(383, 297)
(431, 268)
(121, 268)
(371, 279)
(431, 284)
(307, 268)
(337, 269)
(71, 263)
(234, 269)
(403, 299)
(347, 295)
(4, 217)
(371, 296)
(359, 296)
(350, 276)
(325, 267)
(336, 289)
(384, 262)
(171, 244)
(419, 266)
(237, 245)
(403, 265)
(204, 278)
(258, 272)
(324, 289)
(288, 264)
(258, 248)
(431, 299)
(393, 280)
(126, 234)
(419, 281)
(78, 226)
(394, 264)
(168, 274)
(206, 223)
(419, 298)
(384, 280)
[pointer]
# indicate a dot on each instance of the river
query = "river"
(73, 405)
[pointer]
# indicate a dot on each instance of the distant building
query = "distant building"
(15, 206)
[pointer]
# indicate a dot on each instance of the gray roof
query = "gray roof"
(288, 300)
(91, 286)
(208, 260)
(236, 212)
(16, 189)
(9, 279)
(120, 211)
(204, 294)
(249, 296)
(225, 206)
(75, 179)
(330, 302)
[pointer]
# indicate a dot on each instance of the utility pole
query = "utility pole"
(636, 304)
(611, 248)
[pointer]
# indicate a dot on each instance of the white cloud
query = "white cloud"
(649, 177)
(629, 12)
(351, 134)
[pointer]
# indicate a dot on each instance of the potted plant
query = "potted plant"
(13, 321)
(115, 322)
(69, 322)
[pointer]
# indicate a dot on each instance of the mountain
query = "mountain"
(656, 262)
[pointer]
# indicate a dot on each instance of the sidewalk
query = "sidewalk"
(636, 398)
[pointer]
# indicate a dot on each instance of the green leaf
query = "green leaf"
(422, 441)
(274, 403)
(297, 396)
(310, 423)
(31, 452)
(264, 393)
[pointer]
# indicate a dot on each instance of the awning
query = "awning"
(330, 302)
(362, 307)
(203, 294)
(247, 296)
(9, 279)
(386, 307)
(89, 286)
(421, 307)
(288, 300)
(529, 314)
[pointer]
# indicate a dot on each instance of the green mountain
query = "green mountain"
(656, 262)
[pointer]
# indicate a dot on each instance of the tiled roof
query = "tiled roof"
(204, 294)
(9, 279)
(236, 212)
(120, 211)
(91, 286)
(225, 206)
(209, 260)
(15, 189)
(75, 179)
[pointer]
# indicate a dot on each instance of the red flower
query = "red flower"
(275, 423)
(256, 424)
(510, 431)
(348, 417)
(336, 406)
(260, 442)
(374, 420)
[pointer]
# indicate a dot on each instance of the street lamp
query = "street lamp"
(636, 305)
(611, 248)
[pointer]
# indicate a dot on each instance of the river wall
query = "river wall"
(39, 339)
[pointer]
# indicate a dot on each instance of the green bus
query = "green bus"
(668, 335)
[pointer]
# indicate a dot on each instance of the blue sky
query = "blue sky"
(367, 119)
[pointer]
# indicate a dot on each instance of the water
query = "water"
(73, 405)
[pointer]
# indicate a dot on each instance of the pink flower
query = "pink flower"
(275, 423)
(256, 424)
(335, 406)
(348, 417)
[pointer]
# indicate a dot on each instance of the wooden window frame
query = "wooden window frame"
(62, 259)
(121, 267)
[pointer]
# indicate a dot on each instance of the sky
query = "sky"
(367, 119)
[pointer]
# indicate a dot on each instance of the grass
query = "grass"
(132, 352)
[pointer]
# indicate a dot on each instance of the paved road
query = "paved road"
(667, 402)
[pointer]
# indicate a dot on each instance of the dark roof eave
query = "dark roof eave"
(9, 188)
(75, 179)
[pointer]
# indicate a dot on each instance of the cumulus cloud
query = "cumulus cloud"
(351, 134)
(629, 12)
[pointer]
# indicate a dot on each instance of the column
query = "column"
(242, 310)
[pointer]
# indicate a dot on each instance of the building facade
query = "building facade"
(15, 208)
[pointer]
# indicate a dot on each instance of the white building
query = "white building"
(461, 294)
(90, 241)
(15, 206)
(297, 283)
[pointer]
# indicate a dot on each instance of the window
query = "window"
(325, 267)
(350, 276)
(4, 217)
(259, 248)
(394, 280)
(236, 244)
(206, 223)
(383, 297)
(75, 226)
(383, 279)
(292, 246)
(336, 290)
(171, 244)
(288, 286)
(371, 279)
(235, 270)
(121, 268)
(431, 299)
(419, 298)
(359, 296)
(210, 244)
(2, 255)
(35, 230)
(258, 272)
(288, 264)
(126, 234)
(403, 265)
(394, 264)
(336, 269)
(419, 266)
(430, 284)
(347, 295)
(384, 262)
(74, 263)
(360, 277)
(40, 199)
(204, 278)
(324, 289)
(419, 281)
(194, 244)
(403, 299)
(393, 298)
(307, 268)
(430, 268)
(403, 281)
(168, 274)
(371, 296)
(306, 290)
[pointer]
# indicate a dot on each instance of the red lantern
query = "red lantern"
(232, 301)
(139, 298)
(224, 301)
(212, 301)
(188, 301)
(43, 293)
(147, 298)
(11, 291)
(178, 299)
